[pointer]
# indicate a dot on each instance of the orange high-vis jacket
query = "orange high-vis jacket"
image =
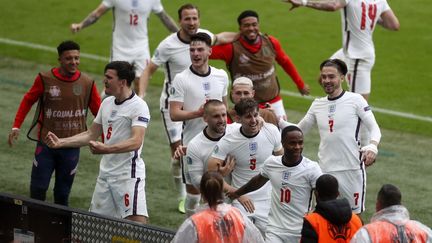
(212, 227)
(328, 232)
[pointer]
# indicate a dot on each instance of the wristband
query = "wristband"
(371, 147)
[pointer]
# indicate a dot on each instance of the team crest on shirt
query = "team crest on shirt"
(172, 91)
(286, 175)
(113, 113)
(253, 147)
(54, 91)
(206, 86)
(77, 89)
(332, 108)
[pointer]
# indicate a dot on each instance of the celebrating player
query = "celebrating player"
(251, 144)
(130, 40)
(253, 55)
(123, 119)
(191, 89)
(59, 91)
(243, 88)
(339, 117)
(292, 177)
(359, 18)
(173, 55)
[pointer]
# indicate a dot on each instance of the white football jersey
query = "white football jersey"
(339, 122)
(291, 192)
(359, 18)
(117, 121)
(250, 154)
(193, 90)
(172, 54)
(130, 34)
(198, 153)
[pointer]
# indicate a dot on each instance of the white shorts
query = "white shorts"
(359, 72)
(281, 237)
(352, 186)
(119, 197)
(260, 216)
(173, 129)
(140, 59)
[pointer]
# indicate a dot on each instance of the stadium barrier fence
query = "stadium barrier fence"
(27, 220)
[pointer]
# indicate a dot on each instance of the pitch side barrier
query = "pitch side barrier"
(27, 220)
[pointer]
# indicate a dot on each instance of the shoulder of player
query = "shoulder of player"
(108, 101)
(306, 162)
(218, 71)
(270, 126)
(183, 75)
(200, 30)
(197, 140)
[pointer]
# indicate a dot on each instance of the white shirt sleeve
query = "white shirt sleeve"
(141, 117)
(108, 3)
(159, 56)
(221, 149)
(315, 174)
(177, 91)
(277, 137)
(368, 119)
(308, 120)
(195, 165)
(157, 6)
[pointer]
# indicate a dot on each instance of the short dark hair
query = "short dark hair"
(245, 106)
(288, 129)
(245, 14)
(337, 63)
(186, 6)
(67, 46)
(124, 70)
(389, 195)
(212, 102)
(201, 37)
(211, 187)
(327, 187)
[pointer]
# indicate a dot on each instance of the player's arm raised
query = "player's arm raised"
(79, 140)
(90, 19)
(130, 144)
(145, 78)
(324, 5)
(389, 20)
(169, 23)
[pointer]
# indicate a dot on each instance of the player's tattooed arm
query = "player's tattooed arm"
(324, 5)
(90, 19)
(168, 21)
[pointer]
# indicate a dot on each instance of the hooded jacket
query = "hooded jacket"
(332, 221)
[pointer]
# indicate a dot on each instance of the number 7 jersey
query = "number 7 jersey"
(359, 18)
